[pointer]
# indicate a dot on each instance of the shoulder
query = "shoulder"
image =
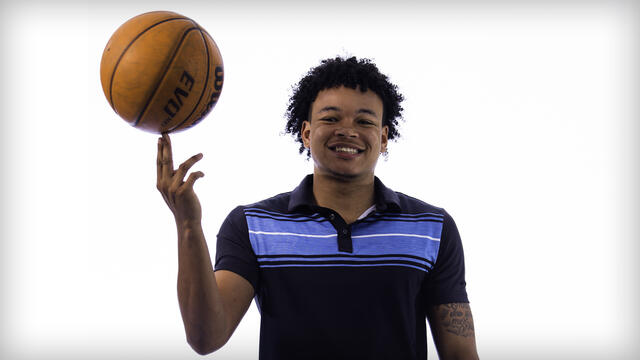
(236, 219)
(277, 203)
(413, 205)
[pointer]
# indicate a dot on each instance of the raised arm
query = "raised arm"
(453, 331)
(211, 304)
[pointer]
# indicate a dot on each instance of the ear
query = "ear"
(385, 139)
(305, 134)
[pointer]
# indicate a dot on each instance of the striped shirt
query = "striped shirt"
(331, 290)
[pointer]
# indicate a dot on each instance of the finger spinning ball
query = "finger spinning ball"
(161, 72)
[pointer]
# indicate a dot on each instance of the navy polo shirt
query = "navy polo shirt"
(331, 290)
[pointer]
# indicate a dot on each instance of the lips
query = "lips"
(346, 148)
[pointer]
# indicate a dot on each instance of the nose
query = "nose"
(346, 131)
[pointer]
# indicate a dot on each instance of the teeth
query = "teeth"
(347, 150)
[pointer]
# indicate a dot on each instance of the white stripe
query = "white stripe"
(290, 234)
(407, 235)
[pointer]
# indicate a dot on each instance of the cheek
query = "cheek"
(374, 139)
(317, 135)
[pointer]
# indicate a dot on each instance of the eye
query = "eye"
(366, 122)
(329, 119)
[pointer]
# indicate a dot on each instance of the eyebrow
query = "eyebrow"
(360, 111)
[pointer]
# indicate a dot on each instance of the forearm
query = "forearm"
(200, 300)
(453, 331)
(466, 351)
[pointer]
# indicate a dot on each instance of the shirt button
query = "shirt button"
(332, 216)
(345, 231)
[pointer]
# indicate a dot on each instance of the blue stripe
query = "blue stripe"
(407, 216)
(373, 216)
(266, 244)
(272, 225)
(387, 227)
(256, 223)
(274, 237)
(338, 258)
(342, 265)
(280, 218)
(404, 220)
(424, 248)
(294, 216)
(342, 255)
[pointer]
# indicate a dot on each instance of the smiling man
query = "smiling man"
(341, 267)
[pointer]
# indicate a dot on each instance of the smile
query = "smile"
(344, 149)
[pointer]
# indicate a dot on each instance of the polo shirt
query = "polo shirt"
(326, 289)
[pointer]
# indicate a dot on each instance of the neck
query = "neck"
(349, 198)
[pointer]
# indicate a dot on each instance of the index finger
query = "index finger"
(167, 156)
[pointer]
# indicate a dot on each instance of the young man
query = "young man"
(341, 267)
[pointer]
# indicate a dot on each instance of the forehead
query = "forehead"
(347, 99)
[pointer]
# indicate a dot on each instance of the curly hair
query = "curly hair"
(351, 73)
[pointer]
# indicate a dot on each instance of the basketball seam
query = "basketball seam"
(164, 75)
(115, 68)
(206, 82)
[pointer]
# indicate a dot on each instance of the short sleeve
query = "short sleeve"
(446, 283)
(233, 249)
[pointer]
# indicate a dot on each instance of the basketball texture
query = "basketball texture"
(161, 72)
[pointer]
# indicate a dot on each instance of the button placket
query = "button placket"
(342, 230)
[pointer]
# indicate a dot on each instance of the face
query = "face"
(345, 133)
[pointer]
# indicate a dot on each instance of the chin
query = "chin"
(340, 171)
(345, 175)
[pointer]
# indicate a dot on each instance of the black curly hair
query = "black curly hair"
(351, 73)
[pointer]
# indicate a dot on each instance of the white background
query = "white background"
(521, 121)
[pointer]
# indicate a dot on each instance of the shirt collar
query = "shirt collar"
(302, 196)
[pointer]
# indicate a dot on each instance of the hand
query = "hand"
(177, 193)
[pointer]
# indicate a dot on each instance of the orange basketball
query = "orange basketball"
(161, 72)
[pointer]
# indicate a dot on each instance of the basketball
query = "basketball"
(161, 72)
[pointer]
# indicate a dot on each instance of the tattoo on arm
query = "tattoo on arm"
(456, 319)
